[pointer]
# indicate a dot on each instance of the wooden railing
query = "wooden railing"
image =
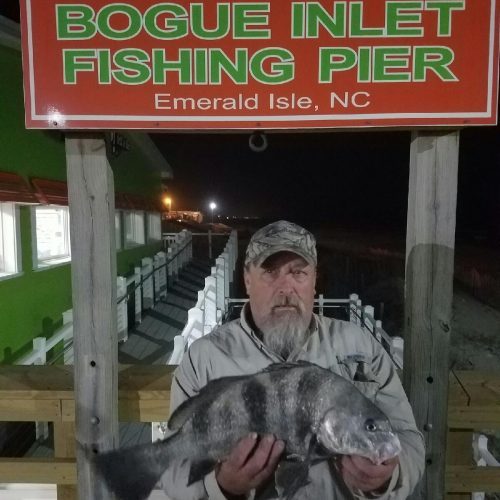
(45, 393)
(473, 405)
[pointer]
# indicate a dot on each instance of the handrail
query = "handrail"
(46, 392)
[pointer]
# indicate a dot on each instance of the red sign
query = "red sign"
(247, 65)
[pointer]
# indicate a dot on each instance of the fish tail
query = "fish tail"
(132, 473)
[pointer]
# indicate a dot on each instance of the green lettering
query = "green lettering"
(357, 28)
(298, 20)
(436, 59)
(73, 63)
(334, 59)
(75, 22)
(245, 16)
(197, 25)
(385, 58)
(132, 15)
(174, 27)
(281, 71)
(396, 16)
(364, 64)
(334, 23)
(104, 67)
(161, 65)
(220, 62)
(133, 70)
(444, 13)
(201, 65)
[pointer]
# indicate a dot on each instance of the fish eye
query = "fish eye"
(370, 425)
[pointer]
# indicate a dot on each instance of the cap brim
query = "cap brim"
(283, 248)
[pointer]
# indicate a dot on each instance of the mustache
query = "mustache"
(287, 301)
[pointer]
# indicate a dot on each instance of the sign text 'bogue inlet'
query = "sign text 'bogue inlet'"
(247, 65)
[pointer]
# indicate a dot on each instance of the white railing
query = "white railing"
(211, 306)
(151, 278)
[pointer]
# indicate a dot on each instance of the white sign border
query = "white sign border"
(261, 118)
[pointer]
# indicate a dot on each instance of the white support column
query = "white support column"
(147, 283)
(162, 259)
(225, 256)
(156, 265)
(122, 314)
(321, 302)
(369, 318)
(170, 265)
(221, 303)
(93, 276)
(40, 346)
(210, 303)
(195, 321)
(353, 300)
(137, 295)
(68, 341)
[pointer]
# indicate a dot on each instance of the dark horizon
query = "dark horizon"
(350, 179)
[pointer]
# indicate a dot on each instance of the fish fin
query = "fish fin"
(201, 400)
(131, 473)
(199, 470)
(290, 477)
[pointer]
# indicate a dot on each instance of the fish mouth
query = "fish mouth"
(390, 448)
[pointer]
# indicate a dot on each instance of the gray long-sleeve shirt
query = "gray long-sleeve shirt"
(342, 347)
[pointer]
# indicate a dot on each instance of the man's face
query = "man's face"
(281, 292)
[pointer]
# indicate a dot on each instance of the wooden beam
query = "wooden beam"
(463, 478)
(37, 470)
(93, 275)
(30, 410)
(430, 244)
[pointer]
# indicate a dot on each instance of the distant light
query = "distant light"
(167, 201)
(212, 205)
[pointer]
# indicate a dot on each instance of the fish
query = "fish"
(317, 413)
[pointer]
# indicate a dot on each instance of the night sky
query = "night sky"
(347, 178)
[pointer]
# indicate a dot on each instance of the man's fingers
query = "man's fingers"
(260, 456)
(242, 451)
(361, 473)
(272, 462)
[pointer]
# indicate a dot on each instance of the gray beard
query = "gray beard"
(285, 333)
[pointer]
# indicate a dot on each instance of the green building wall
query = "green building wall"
(31, 304)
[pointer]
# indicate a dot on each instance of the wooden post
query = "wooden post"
(93, 274)
(64, 447)
(430, 243)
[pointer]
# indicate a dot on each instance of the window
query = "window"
(9, 238)
(52, 235)
(134, 229)
(118, 230)
(154, 227)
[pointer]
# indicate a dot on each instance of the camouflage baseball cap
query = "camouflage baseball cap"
(281, 236)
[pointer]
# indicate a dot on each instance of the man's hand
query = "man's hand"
(250, 463)
(360, 473)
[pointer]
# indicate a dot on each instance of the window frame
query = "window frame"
(15, 262)
(135, 242)
(155, 238)
(62, 259)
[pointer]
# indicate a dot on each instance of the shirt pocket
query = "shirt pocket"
(359, 373)
(368, 389)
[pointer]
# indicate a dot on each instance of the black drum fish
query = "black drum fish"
(317, 413)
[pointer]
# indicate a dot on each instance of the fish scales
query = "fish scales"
(317, 413)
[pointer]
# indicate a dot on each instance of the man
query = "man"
(277, 325)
